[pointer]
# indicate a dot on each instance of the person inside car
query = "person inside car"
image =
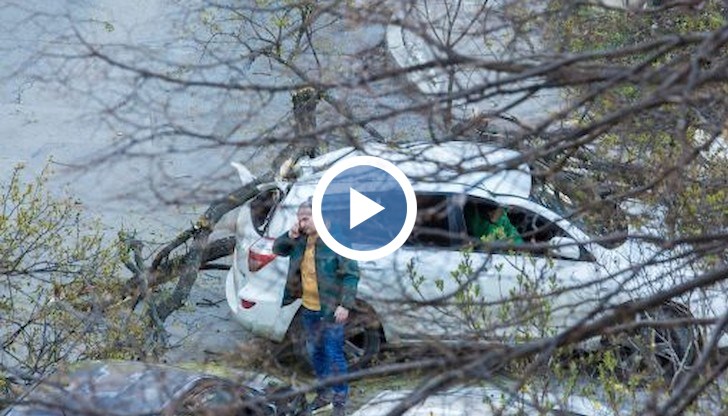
(493, 225)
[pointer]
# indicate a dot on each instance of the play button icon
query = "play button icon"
(361, 208)
(364, 208)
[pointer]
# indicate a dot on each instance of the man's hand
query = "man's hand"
(295, 231)
(341, 314)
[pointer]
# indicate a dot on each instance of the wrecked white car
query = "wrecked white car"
(446, 283)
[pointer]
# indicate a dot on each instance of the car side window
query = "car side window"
(539, 233)
(533, 227)
(433, 226)
(516, 230)
(262, 208)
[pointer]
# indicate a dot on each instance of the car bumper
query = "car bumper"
(256, 305)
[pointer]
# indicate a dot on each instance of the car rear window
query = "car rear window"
(262, 208)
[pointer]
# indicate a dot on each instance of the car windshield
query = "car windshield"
(599, 223)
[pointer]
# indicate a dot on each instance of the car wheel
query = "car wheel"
(659, 353)
(362, 337)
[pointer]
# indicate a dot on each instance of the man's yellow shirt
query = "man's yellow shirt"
(308, 276)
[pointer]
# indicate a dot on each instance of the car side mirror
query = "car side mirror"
(564, 247)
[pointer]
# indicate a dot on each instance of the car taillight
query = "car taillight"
(260, 254)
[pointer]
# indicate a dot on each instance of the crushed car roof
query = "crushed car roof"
(471, 166)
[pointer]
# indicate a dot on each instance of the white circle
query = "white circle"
(409, 195)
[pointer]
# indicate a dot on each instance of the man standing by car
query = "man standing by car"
(326, 283)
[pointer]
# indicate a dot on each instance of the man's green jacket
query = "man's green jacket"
(337, 276)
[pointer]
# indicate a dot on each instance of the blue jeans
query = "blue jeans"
(325, 345)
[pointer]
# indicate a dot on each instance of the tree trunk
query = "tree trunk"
(200, 251)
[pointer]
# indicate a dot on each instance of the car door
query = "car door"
(530, 286)
(410, 289)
